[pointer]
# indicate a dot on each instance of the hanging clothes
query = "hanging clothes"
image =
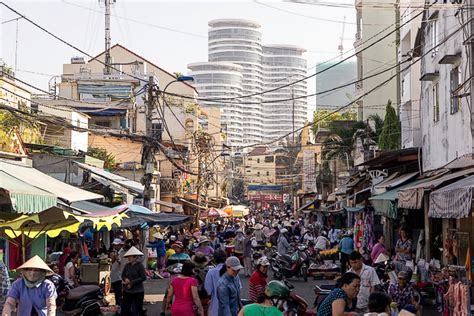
(359, 232)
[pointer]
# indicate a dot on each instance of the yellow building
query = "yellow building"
(11, 93)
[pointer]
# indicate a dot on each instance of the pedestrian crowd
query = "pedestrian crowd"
(205, 265)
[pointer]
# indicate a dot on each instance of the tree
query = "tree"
(340, 143)
(323, 118)
(390, 136)
(102, 154)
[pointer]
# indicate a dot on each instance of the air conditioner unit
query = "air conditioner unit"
(77, 60)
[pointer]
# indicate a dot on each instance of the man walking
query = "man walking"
(368, 280)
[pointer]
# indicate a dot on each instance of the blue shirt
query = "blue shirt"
(36, 297)
(228, 294)
(346, 245)
(210, 284)
(325, 309)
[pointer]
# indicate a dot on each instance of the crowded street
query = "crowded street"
(236, 158)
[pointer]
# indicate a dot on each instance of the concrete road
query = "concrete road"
(155, 289)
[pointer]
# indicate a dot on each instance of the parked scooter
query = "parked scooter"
(294, 265)
(321, 292)
(84, 300)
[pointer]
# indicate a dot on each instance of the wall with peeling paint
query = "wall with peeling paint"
(450, 136)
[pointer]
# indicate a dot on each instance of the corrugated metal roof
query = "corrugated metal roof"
(40, 180)
(107, 178)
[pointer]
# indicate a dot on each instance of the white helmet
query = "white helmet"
(263, 261)
(283, 230)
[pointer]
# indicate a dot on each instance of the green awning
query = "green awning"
(24, 197)
(385, 204)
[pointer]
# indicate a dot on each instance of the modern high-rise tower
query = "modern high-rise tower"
(261, 67)
(282, 65)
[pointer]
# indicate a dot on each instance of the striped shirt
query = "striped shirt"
(257, 284)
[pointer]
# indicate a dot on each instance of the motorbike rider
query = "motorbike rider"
(282, 244)
(32, 293)
(265, 305)
(258, 280)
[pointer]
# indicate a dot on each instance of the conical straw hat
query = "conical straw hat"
(133, 252)
(36, 263)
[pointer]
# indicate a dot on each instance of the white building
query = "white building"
(445, 110)
(239, 42)
(410, 86)
(224, 80)
(283, 64)
(374, 18)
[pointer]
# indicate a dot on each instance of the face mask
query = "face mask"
(33, 278)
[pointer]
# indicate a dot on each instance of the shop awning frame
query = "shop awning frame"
(49, 184)
(25, 198)
(411, 197)
(108, 178)
(452, 201)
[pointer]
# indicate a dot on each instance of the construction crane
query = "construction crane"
(341, 39)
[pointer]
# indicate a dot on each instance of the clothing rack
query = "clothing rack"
(458, 293)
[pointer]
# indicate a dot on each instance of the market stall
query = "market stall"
(51, 222)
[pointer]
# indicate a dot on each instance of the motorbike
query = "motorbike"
(321, 292)
(294, 265)
(62, 288)
(294, 305)
(84, 300)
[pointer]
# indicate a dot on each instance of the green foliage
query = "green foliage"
(102, 154)
(321, 118)
(28, 129)
(390, 136)
(340, 143)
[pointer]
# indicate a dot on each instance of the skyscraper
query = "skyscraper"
(239, 43)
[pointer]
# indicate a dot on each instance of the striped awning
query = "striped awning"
(452, 201)
(411, 197)
(25, 198)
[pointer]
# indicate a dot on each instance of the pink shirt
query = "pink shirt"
(376, 251)
(183, 297)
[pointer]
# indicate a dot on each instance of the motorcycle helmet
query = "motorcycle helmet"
(276, 289)
(263, 261)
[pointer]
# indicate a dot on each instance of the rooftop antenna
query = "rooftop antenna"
(341, 42)
(108, 60)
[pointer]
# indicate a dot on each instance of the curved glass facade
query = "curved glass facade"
(239, 42)
(239, 65)
(218, 80)
(283, 64)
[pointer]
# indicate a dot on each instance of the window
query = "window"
(156, 131)
(455, 80)
(103, 123)
(269, 159)
(268, 173)
(258, 173)
(435, 102)
(258, 160)
(434, 34)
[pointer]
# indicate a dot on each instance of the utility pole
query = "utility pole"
(108, 60)
(149, 151)
(198, 190)
(292, 150)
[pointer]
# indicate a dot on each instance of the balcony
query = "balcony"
(358, 41)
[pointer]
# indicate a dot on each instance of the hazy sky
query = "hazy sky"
(172, 34)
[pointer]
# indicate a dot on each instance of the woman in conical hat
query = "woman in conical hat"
(133, 276)
(32, 293)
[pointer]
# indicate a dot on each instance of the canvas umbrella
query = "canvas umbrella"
(52, 222)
